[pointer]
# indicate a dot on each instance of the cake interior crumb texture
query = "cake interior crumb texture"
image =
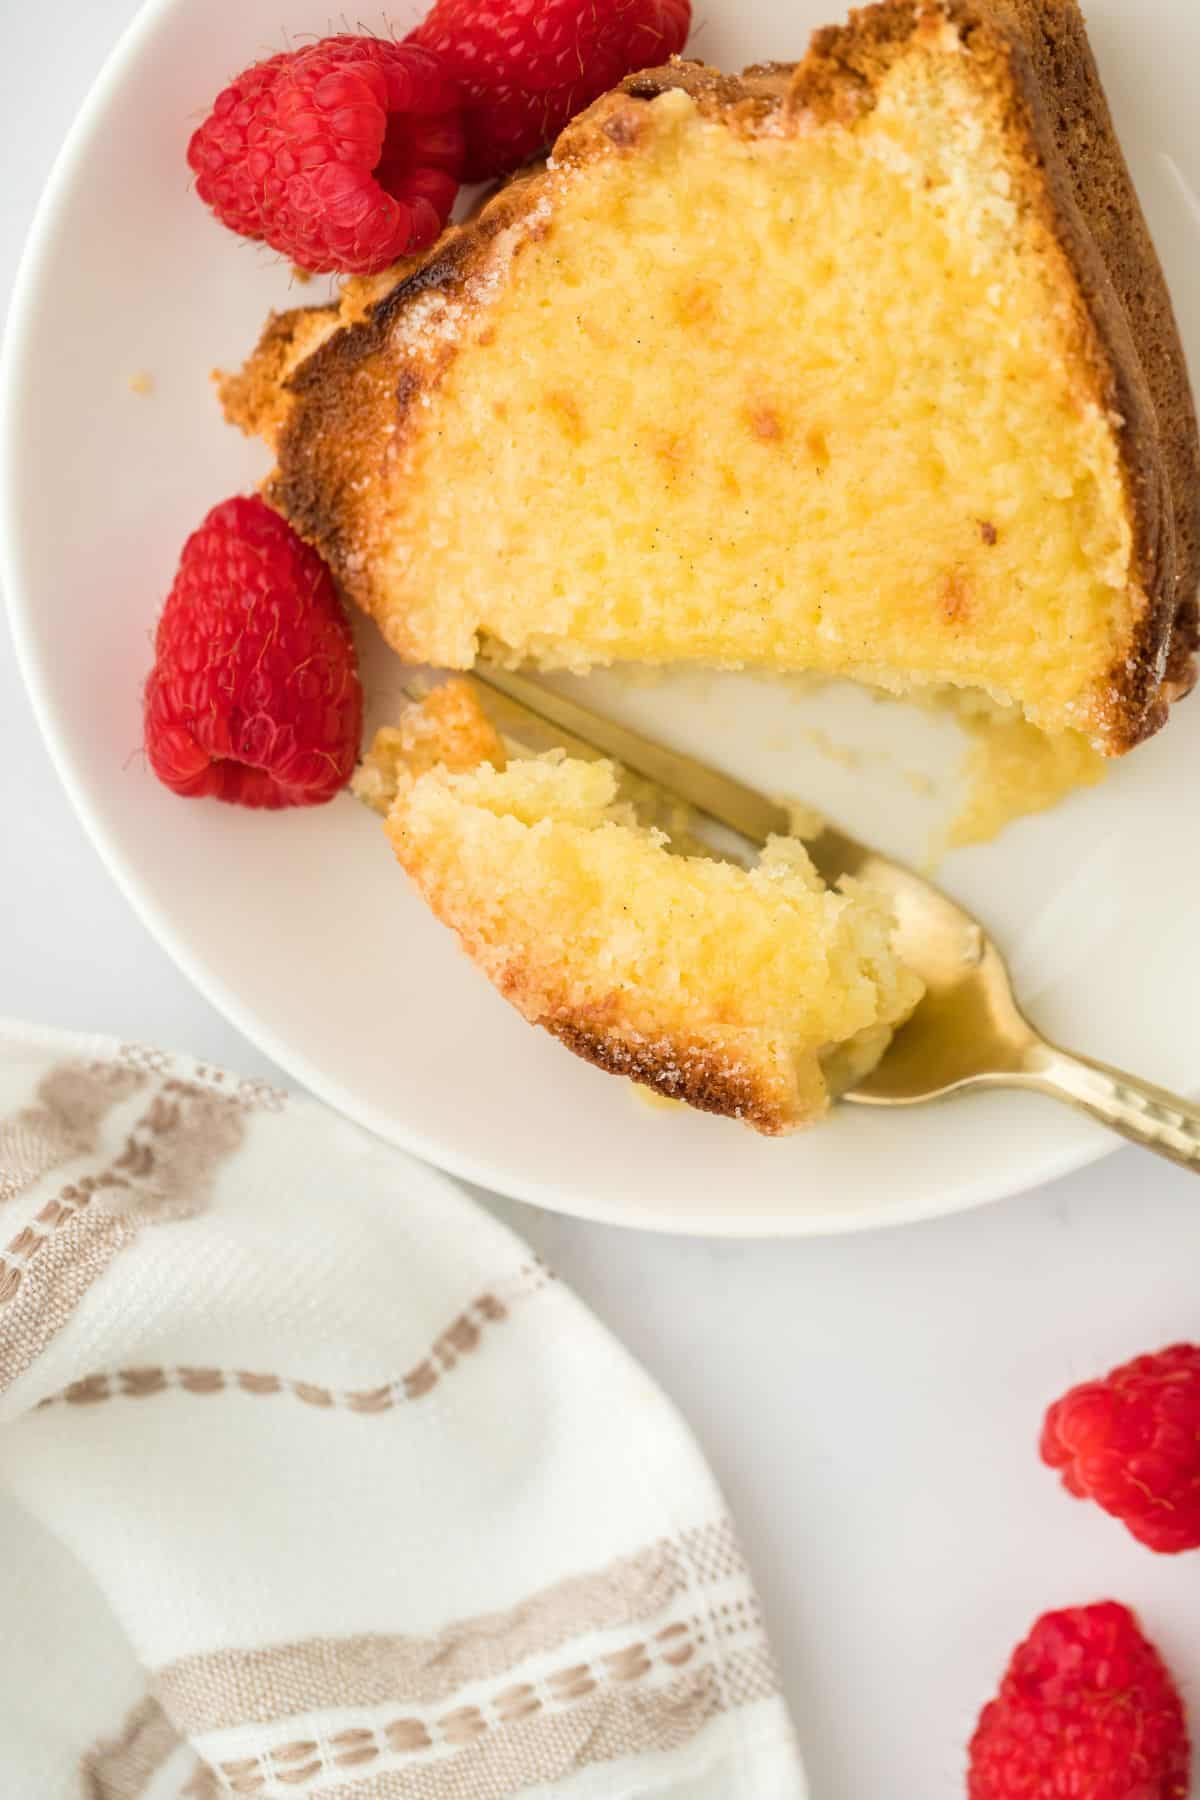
(904, 478)
(822, 369)
(743, 991)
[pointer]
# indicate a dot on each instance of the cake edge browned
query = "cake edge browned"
(697, 1075)
(1055, 37)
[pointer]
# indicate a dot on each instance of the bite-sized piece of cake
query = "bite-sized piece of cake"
(447, 729)
(862, 366)
(746, 992)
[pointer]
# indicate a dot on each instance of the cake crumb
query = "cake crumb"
(804, 821)
(1012, 769)
(843, 754)
(141, 382)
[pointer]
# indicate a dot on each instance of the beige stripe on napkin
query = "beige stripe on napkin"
(529, 1752)
(120, 1768)
(163, 1169)
(461, 1339)
(595, 1704)
(227, 1688)
(63, 1121)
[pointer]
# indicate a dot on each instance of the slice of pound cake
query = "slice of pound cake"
(747, 992)
(863, 366)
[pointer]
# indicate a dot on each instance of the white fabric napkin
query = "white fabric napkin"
(313, 1481)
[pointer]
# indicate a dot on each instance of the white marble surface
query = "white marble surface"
(871, 1405)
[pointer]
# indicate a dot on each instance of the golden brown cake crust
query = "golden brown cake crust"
(256, 398)
(346, 411)
(1053, 34)
(696, 1075)
(345, 408)
(680, 1065)
(1067, 85)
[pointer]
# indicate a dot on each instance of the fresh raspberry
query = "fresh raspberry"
(527, 66)
(1131, 1442)
(344, 155)
(254, 695)
(1087, 1710)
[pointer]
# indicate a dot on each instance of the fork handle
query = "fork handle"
(1147, 1115)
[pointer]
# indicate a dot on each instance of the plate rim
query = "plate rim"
(33, 268)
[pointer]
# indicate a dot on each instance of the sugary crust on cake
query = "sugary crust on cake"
(350, 403)
(705, 1070)
(679, 1064)
(695, 1073)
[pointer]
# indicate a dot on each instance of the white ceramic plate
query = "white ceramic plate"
(300, 927)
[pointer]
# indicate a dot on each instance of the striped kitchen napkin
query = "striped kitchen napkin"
(313, 1481)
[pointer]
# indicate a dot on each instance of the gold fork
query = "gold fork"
(968, 1031)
